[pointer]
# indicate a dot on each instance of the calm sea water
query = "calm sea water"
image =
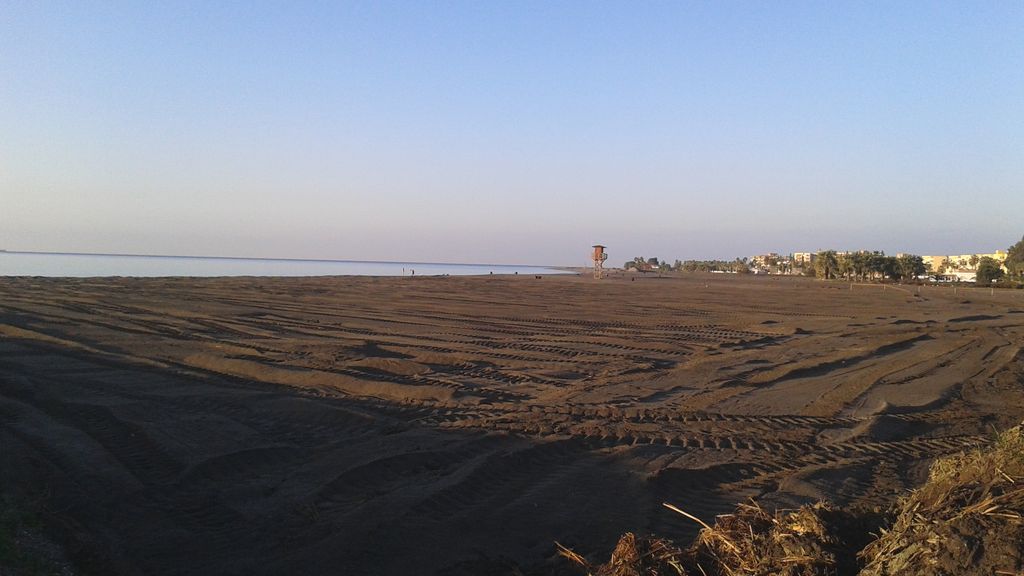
(90, 265)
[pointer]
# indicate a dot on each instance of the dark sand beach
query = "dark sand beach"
(461, 425)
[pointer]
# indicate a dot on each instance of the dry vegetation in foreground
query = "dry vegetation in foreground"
(968, 518)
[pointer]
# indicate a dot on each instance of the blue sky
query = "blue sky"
(511, 132)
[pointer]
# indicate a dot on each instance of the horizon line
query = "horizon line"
(192, 256)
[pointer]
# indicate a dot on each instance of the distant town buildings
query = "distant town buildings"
(764, 261)
(804, 258)
(952, 267)
(961, 262)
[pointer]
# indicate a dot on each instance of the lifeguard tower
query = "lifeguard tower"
(599, 257)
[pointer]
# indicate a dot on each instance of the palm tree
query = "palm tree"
(825, 266)
(877, 264)
(860, 263)
(844, 265)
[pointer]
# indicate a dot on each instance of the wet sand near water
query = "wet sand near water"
(453, 425)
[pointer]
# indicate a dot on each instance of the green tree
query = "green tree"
(973, 261)
(859, 261)
(844, 265)
(825, 265)
(891, 268)
(877, 264)
(988, 270)
(910, 266)
(1015, 260)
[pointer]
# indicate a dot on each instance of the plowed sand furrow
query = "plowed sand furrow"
(129, 443)
(390, 473)
(498, 479)
(239, 465)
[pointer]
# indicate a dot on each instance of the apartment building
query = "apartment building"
(803, 258)
(962, 262)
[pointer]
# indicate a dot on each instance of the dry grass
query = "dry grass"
(635, 557)
(748, 542)
(967, 519)
(751, 541)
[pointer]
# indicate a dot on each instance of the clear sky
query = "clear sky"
(511, 132)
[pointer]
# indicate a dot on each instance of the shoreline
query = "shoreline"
(195, 257)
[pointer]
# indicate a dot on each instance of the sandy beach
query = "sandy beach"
(462, 425)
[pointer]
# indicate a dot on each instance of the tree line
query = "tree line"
(862, 265)
(877, 266)
(641, 264)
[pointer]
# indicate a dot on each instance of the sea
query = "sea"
(108, 265)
